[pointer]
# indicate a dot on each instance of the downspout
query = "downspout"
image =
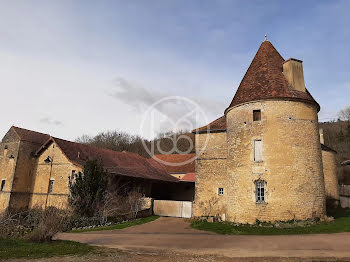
(51, 165)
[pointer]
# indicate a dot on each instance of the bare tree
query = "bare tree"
(344, 114)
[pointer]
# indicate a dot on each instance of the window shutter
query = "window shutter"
(258, 150)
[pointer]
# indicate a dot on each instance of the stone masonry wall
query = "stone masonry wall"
(330, 174)
(60, 169)
(210, 174)
(23, 177)
(7, 166)
(291, 166)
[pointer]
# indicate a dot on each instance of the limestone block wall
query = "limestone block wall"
(60, 169)
(8, 166)
(23, 176)
(210, 174)
(291, 162)
(330, 174)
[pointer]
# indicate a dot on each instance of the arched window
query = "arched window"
(260, 191)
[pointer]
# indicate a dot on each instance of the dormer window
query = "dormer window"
(256, 115)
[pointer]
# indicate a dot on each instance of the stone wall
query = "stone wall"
(330, 174)
(23, 176)
(210, 174)
(60, 169)
(291, 165)
(8, 160)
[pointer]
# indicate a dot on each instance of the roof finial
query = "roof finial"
(266, 38)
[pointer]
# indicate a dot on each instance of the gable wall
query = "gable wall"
(8, 165)
(59, 170)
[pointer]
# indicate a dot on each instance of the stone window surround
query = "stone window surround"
(260, 185)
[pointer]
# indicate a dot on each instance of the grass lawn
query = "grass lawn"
(15, 248)
(135, 222)
(340, 224)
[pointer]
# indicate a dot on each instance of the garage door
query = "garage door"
(171, 208)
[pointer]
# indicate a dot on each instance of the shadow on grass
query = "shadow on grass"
(16, 248)
(340, 224)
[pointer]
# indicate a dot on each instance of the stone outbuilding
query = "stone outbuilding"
(35, 170)
(263, 159)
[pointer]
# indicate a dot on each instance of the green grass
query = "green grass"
(340, 224)
(16, 248)
(135, 222)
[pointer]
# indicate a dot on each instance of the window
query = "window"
(260, 191)
(258, 145)
(6, 147)
(256, 115)
(52, 181)
(220, 191)
(3, 182)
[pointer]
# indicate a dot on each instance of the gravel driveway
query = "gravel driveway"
(176, 236)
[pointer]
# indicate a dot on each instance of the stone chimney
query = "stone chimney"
(293, 72)
(321, 136)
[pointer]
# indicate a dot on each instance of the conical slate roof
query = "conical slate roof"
(264, 79)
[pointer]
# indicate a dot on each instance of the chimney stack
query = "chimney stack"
(293, 72)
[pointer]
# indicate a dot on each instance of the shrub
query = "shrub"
(49, 222)
(35, 224)
(88, 189)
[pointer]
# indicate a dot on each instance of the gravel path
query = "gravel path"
(175, 235)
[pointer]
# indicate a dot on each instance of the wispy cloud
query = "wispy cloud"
(185, 112)
(50, 121)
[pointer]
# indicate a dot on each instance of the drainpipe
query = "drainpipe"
(48, 188)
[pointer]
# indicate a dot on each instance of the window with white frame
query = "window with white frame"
(220, 191)
(52, 182)
(260, 191)
(2, 187)
(258, 146)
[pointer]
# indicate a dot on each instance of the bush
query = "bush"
(35, 224)
(88, 189)
(49, 223)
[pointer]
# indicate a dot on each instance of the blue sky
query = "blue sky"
(79, 67)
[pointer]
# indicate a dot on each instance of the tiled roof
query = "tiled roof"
(190, 177)
(121, 163)
(218, 125)
(31, 136)
(179, 163)
(264, 79)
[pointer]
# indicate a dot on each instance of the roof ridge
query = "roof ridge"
(99, 148)
(29, 130)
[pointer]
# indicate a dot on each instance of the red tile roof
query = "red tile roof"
(264, 79)
(190, 177)
(218, 125)
(31, 136)
(178, 163)
(121, 163)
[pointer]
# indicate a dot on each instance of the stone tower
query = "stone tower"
(274, 160)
